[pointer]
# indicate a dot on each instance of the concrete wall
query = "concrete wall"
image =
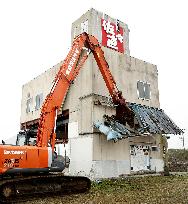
(40, 84)
(127, 71)
(94, 26)
(156, 156)
(81, 151)
(91, 154)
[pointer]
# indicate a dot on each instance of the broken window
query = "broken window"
(143, 89)
(38, 101)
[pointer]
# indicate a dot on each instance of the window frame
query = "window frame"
(39, 102)
(144, 90)
(29, 102)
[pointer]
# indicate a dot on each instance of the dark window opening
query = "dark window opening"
(154, 148)
(140, 88)
(143, 89)
(62, 127)
(147, 91)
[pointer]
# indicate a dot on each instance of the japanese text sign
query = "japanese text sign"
(112, 36)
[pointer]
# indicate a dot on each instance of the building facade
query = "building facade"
(88, 100)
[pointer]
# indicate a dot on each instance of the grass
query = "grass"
(178, 160)
(150, 189)
(180, 155)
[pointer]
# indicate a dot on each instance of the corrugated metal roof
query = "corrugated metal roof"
(149, 120)
(154, 120)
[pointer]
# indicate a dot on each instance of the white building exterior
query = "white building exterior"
(89, 151)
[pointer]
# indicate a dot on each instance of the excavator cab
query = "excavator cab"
(26, 137)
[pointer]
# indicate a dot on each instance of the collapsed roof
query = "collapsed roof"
(149, 120)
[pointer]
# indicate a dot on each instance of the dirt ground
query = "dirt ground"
(150, 189)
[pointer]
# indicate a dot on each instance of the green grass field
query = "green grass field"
(178, 160)
(148, 189)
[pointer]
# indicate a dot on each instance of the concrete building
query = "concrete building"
(88, 100)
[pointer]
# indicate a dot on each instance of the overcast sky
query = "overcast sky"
(35, 35)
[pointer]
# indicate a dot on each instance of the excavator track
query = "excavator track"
(19, 189)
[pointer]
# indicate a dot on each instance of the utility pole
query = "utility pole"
(183, 139)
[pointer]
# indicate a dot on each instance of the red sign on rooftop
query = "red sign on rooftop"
(112, 36)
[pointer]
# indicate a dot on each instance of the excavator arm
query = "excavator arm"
(82, 46)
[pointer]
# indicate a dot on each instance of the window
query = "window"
(154, 148)
(143, 89)
(147, 91)
(62, 127)
(38, 101)
(84, 26)
(140, 89)
(28, 105)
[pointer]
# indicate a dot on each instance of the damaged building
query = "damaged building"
(97, 145)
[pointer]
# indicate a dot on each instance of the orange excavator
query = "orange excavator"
(36, 169)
